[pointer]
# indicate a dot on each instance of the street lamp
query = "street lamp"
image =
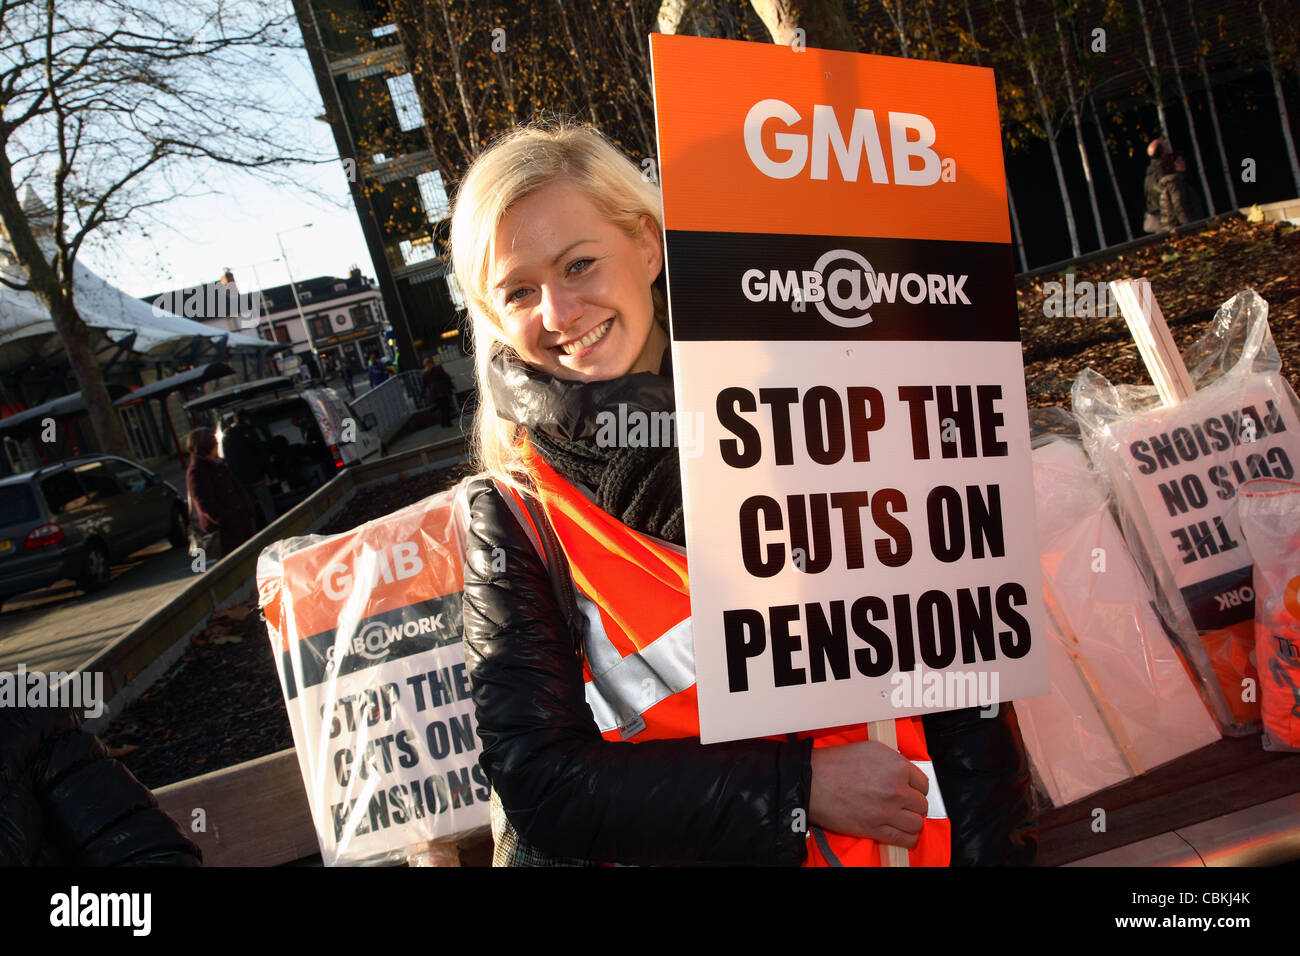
(311, 343)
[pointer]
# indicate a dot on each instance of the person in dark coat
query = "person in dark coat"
(1157, 149)
(65, 802)
(438, 389)
(1170, 200)
(377, 371)
(246, 455)
(219, 501)
(350, 371)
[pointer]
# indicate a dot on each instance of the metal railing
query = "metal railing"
(390, 401)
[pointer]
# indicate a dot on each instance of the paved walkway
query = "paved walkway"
(60, 627)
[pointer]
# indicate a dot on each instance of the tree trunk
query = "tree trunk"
(1187, 111)
(824, 22)
(1078, 131)
(471, 114)
(1155, 71)
(1214, 112)
(103, 417)
(583, 78)
(54, 288)
(1015, 227)
(1281, 99)
(899, 26)
(1110, 169)
(1011, 201)
(1049, 133)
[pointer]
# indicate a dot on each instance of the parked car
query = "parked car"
(76, 518)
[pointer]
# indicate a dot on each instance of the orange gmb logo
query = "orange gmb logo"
(410, 556)
(1291, 597)
(755, 137)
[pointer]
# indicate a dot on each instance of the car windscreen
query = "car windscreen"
(18, 504)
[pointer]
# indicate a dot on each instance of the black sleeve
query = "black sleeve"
(94, 810)
(983, 775)
(564, 788)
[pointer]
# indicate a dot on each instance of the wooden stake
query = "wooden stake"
(1147, 325)
(1109, 717)
(883, 732)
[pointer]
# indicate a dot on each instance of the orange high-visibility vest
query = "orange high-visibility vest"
(640, 657)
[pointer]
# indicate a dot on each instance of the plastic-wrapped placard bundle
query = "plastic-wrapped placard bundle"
(1270, 520)
(366, 631)
(1175, 471)
(1121, 701)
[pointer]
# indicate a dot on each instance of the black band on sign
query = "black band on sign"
(383, 637)
(735, 286)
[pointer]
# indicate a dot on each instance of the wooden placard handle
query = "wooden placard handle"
(883, 732)
(1073, 647)
(1159, 352)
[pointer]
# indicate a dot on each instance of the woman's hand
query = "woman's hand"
(868, 790)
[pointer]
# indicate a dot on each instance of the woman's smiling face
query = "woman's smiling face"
(572, 289)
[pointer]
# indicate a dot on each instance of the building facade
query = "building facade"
(378, 123)
(332, 319)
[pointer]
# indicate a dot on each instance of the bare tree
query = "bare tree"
(1091, 101)
(1214, 112)
(1187, 110)
(1011, 200)
(1153, 67)
(1072, 94)
(1281, 99)
(1048, 127)
(894, 10)
(106, 108)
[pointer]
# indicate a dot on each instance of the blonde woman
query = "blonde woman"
(577, 606)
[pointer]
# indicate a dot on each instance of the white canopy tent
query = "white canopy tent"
(28, 337)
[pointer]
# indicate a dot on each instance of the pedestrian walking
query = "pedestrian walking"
(438, 389)
(350, 371)
(377, 371)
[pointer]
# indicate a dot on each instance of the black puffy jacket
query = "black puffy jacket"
(571, 793)
(65, 802)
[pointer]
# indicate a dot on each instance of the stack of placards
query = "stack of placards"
(1121, 701)
(1175, 471)
(366, 631)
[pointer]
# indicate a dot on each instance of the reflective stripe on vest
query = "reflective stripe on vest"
(640, 665)
(622, 688)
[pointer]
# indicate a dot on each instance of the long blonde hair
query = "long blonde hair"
(511, 168)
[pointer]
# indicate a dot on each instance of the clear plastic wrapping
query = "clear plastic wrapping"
(1121, 701)
(365, 627)
(1270, 520)
(1175, 470)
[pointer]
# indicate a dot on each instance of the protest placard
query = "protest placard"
(366, 630)
(1176, 471)
(858, 504)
